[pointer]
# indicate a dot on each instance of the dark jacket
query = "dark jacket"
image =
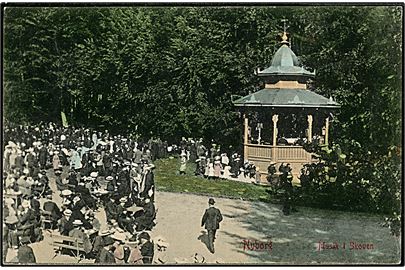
(53, 208)
(147, 252)
(26, 255)
(111, 210)
(105, 257)
(212, 217)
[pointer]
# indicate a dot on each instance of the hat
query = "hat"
(104, 233)
(217, 162)
(66, 192)
(272, 163)
(144, 235)
(119, 236)
(217, 157)
(109, 178)
(94, 174)
(67, 212)
(123, 199)
(197, 160)
(183, 154)
(127, 163)
(77, 222)
(211, 201)
(161, 242)
(11, 220)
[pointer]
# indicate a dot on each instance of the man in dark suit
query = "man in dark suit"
(211, 219)
(25, 253)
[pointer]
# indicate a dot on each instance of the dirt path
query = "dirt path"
(294, 238)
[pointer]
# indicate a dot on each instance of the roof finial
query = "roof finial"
(284, 37)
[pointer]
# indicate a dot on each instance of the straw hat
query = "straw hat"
(123, 200)
(66, 192)
(104, 233)
(77, 222)
(109, 178)
(161, 242)
(94, 174)
(119, 236)
(67, 212)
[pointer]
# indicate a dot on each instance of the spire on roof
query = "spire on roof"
(284, 37)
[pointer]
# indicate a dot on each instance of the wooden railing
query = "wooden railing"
(277, 153)
(262, 155)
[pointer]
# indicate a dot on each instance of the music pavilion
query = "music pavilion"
(284, 115)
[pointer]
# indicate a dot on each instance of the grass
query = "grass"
(168, 179)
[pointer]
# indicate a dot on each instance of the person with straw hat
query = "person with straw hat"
(100, 241)
(78, 233)
(119, 253)
(106, 255)
(63, 221)
(160, 256)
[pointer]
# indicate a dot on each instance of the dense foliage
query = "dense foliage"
(172, 72)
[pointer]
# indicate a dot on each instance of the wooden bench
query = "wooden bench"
(73, 245)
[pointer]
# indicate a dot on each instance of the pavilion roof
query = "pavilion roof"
(285, 62)
(276, 97)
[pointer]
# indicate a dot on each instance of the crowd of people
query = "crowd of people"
(65, 176)
(213, 163)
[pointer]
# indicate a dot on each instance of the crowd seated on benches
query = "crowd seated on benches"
(76, 173)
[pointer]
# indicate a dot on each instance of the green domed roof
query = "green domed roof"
(285, 62)
(284, 57)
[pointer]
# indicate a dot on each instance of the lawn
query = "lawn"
(168, 179)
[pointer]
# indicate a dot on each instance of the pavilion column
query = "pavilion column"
(245, 137)
(310, 127)
(327, 130)
(275, 130)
